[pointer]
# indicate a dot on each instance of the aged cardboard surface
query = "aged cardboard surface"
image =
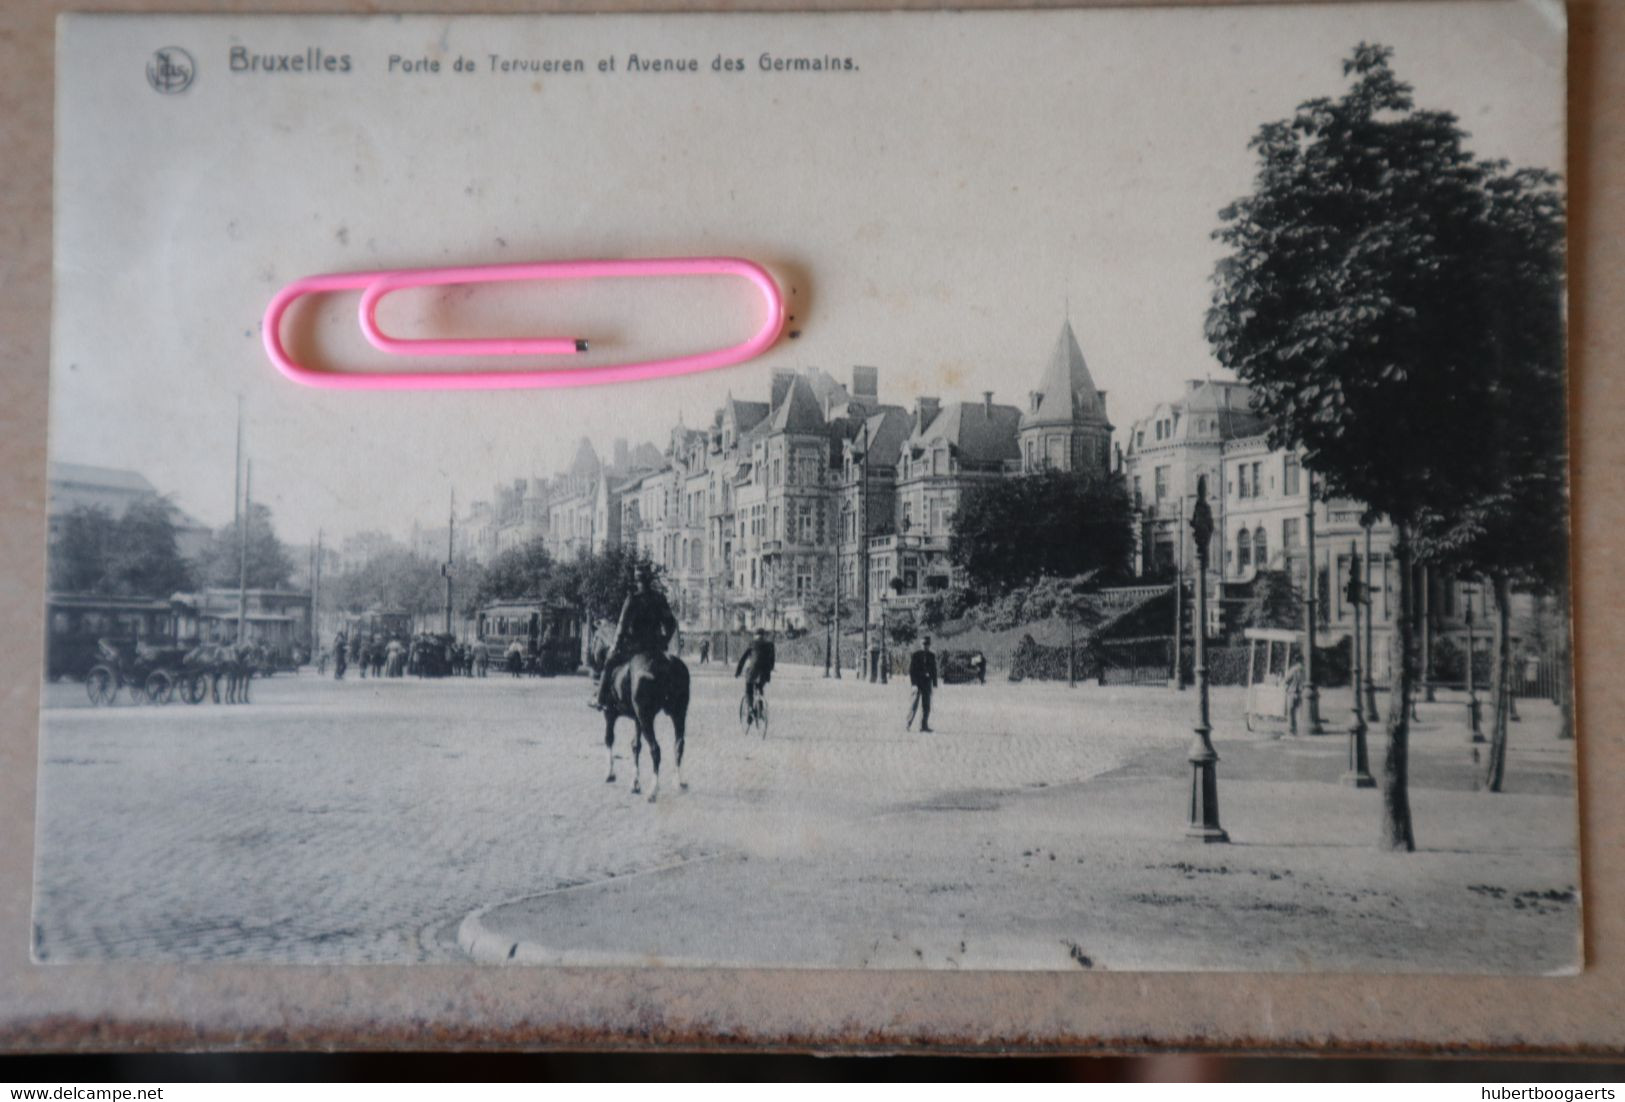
(218, 1006)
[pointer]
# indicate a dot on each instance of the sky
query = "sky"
(935, 212)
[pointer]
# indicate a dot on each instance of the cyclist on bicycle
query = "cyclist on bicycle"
(759, 657)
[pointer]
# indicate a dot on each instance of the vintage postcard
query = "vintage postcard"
(1143, 548)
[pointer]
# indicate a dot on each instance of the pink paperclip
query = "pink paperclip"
(375, 285)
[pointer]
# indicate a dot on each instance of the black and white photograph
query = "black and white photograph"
(1145, 548)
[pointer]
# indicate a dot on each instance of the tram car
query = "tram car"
(75, 622)
(549, 636)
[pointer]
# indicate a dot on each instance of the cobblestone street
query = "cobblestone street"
(351, 820)
(363, 821)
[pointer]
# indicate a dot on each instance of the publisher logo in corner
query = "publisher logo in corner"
(170, 70)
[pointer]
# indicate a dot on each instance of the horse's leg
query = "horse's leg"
(609, 744)
(214, 685)
(646, 722)
(637, 755)
(679, 720)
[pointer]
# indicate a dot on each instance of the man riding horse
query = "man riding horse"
(645, 627)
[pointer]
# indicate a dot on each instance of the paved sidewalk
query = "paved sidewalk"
(1096, 874)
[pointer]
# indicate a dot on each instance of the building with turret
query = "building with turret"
(1064, 426)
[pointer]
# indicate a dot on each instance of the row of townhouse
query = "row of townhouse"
(778, 509)
(1265, 514)
(576, 510)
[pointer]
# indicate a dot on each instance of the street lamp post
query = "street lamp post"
(1311, 574)
(1204, 806)
(1472, 691)
(885, 643)
(1370, 629)
(1359, 771)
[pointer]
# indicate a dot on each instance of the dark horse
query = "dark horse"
(640, 689)
(235, 662)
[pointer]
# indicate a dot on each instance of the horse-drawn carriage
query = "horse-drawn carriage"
(159, 674)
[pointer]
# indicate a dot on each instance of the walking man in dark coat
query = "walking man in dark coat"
(922, 673)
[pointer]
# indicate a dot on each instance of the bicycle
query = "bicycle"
(753, 716)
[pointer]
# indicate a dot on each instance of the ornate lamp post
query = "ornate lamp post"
(1469, 592)
(1204, 810)
(1359, 771)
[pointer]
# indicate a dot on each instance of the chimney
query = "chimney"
(865, 382)
(925, 411)
(782, 378)
(1101, 394)
(623, 454)
(987, 403)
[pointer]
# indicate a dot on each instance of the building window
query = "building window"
(1258, 480)
(1161, 486)
(807, 468)
(1244, 550)
(1032, 455)
(1289, 535)
(1261, 553)
(936, 526)
(806, 531)
(777, 531)
(1137, 500)
(1289, 474)
(804, 580)
(1242, 489)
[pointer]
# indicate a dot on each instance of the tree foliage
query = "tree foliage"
(391, 580)
(1052, 523)
(1383, 289)
(269, 566)
(597, 582)
(134, 555)
(1368, 289)
(518, 573)
(1273, 602)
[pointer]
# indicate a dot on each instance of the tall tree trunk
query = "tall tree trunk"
(1397, 833)
(1501, 680)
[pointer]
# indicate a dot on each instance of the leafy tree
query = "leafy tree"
(1057, 523)
(1274, 602)
(392, 580)
(517, 573)
(1514, 531)
(1365, 298)
(269, 565)
(78, 561)
(133, 556)
(597, 582)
